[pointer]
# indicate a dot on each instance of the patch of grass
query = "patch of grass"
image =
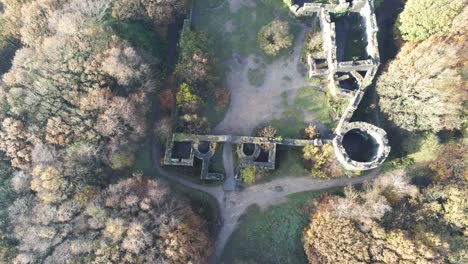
(213, 113)
(256, 76)
(308, 101)
(216, 164)
(212, 16)
(311, 100)
(275, 234)
(289, 162)
(288, 126)
(143, 161)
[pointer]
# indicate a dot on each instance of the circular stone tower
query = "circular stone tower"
(361, 146)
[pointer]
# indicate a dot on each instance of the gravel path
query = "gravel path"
(233, 204)
(229, 181)
(248, 109)
(251, 106)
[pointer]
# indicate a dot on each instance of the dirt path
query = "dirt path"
(229, 181)
(264, 195)
(233, 204)
(250, 105)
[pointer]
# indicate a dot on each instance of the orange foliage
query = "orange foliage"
(221, 97)
(167, 100)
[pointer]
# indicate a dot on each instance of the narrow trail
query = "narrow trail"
(229, 182)
(266, 194)
(233, 204)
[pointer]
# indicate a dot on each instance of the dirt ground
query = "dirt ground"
(235, 5)
(252, 106)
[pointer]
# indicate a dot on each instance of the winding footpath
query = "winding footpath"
(232, 204)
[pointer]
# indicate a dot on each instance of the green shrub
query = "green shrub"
(275, 37)
(195, 63)
(121, 160)
(256, 76)
(341, 9)
(185, 97)
(422, 148)
(422, 18)
(248, 174)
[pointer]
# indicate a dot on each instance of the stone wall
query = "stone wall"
(355, 68)
(244, 160)
(366, 9)
(378, 134)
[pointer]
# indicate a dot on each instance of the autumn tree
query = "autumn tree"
(167, 100)
(451, 164)
(135, 220)
(15, 141)
(10, 20)
(417, 89)
(321, 161)
(268, 131)
(74, 83)
(331, 239)
(221, 96)
(195, 65)
(7, 196)
(274, 37)
(389, 221)
(160, 13)
(311, 132)
(421, 19)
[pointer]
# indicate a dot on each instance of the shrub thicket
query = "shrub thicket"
(274, 37)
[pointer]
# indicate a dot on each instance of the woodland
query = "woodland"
(85, 83)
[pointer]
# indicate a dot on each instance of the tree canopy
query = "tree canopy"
(422, 18)
(392, 221)
(424, 89)
(72, 111)
(274, 37)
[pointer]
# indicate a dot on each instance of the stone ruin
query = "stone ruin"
(358, 146)
(260, 152)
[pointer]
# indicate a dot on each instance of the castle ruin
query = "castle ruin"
(358, 146)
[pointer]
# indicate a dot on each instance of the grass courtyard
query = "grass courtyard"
(309, 104)
(234, 26)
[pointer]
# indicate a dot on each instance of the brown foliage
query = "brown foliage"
(451, 165)
(268, 131)
(417, 90)
(16, 142)
(74, 82)
(133, 221)
(167, 100)
(221, 97)
(311, 132)
(321, 161)
(194, 124)
(331, 239)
